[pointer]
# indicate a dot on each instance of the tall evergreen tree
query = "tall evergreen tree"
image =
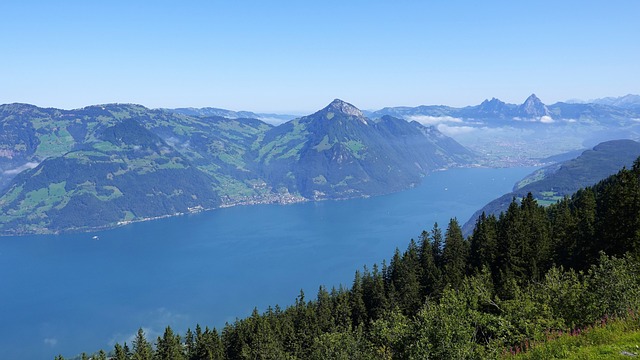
(618, 224)
(431, 278)
(454, 255)
(119, 353)
(169, 346)
(484, 244)
(406, 274)
(356, 302)
(511, 243)
(341, 308)
(437, 244)
(324, 311)
(562, 239)
(190, 345)
(536, 252)
(141, 347)
(375, 297)
(585, 250)
(101, 355)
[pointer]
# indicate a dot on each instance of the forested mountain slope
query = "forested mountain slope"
(521, 275)
(552, 183)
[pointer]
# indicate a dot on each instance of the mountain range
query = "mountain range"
(531, 110)
(100, 166)
(104, 165)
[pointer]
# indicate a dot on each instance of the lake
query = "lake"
(72, 293)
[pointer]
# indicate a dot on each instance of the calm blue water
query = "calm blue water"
(67, 294)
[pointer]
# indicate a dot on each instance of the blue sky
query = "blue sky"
(297, 56)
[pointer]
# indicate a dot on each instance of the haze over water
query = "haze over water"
(72, 293)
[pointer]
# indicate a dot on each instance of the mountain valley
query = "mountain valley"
(101, 166)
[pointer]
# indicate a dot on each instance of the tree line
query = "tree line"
(520, 275)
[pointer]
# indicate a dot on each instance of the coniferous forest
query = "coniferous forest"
(518, 277)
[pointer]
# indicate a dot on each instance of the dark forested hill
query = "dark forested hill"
(553, 182)
(103, 165)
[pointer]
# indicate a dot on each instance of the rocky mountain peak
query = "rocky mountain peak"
(492, 104)
(343, 107)
(533, 107)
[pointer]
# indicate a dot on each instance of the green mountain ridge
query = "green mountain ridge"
(104, 165)
(338, 153)
(127, 174)
(552, 183)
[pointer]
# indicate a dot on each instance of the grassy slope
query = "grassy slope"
(618, 339)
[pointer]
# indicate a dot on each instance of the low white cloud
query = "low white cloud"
(433, 120)
(547, 120)
(272, 120)
(21, 168)
(455, 130)
(51, 341)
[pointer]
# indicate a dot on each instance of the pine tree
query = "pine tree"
(437, 244)
(169, 346)
(431, 278)
(483, 245)
(406, 279)
(323, 310)
(536, 251)
(101, 355)
(511, 242)
(562, 230)
(356, 302)
(119, 353)
(376, 299)
(454, 255)
(189, 344)
(341, 308)
(141, 347)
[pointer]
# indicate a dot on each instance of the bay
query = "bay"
(69, 293)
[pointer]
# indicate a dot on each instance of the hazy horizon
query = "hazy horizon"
(292, 57)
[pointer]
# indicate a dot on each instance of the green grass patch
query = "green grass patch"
(232, 188)
(344, 181)
(281, 144)
(324, 144)
(175, 163)
(356, 148)
(37, 202)
(618, 339)
(320, 180)
(128, 216)
(294, 152)
(115, 193)
(232, 160)
(211, 169)
(54, 143)
(105, 146)
(11, 196)
(536, 176)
